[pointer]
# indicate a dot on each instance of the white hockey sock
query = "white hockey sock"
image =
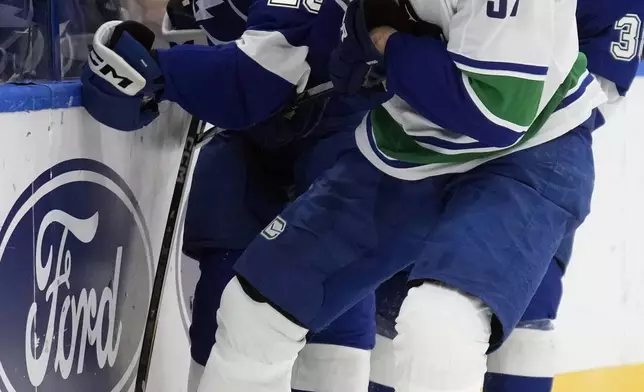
(194, 375)
(255, 347)
(530, 351)
(331, 368)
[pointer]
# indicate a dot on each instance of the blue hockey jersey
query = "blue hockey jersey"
(284, 49)
(222, 20)
(610, 35)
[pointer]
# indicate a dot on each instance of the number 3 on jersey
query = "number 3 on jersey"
(313, 6)
(630, 34)
(498, 9)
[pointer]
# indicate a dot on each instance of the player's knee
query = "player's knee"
(256, 346)
(331, 368)
(256, 329)
(529, 351)
(443, 337)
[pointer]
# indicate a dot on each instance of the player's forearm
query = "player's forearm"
(235, 85)
(422, 72)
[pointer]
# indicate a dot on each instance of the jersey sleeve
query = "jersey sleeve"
(241, 83)
(611, 39)
(488, 82)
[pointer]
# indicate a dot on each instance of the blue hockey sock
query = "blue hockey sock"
(495, 382)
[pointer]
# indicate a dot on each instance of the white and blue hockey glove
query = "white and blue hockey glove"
(122, 81)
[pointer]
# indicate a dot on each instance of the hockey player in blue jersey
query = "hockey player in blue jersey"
(610, 35)
(260, 73)
(241, 181)
(241, 176)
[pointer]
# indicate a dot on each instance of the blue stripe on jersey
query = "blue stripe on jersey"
(374, 147)
(449, 145)
(499, 66)
(421, 71)
(577, 94)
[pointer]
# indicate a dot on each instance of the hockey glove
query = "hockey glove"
(181, 15)
(122, 81)
(356, 57)
(356, 63)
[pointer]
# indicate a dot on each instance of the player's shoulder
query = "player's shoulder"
(222, 20)
(273, 14)
(226, 20)
(594, 16)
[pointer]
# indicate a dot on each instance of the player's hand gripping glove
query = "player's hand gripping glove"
(356, 59)
(122, 82)
(356, 63)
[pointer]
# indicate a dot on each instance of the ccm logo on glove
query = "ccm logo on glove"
(112, 67)
(109, 73)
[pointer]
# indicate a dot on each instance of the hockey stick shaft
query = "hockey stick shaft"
(166, 245)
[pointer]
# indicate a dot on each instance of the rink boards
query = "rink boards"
(83, 208)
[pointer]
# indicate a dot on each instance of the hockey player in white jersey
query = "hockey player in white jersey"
(610, 34)
(495, 126)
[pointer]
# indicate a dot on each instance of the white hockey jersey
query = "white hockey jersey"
(510, 77)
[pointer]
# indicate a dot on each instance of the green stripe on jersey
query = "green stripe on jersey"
(392, 140)
(509, 98)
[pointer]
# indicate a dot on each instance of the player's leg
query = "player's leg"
(235, 191)
(337, 359)
(527, 360)
(500, 228)
(230, 201)
(216, 268)
(331, 251)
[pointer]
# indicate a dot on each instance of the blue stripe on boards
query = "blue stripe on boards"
(32, 97)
